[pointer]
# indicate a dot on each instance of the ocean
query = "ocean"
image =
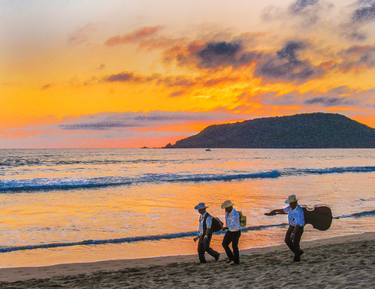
(82, 205)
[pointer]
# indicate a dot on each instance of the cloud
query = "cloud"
(46, 86)
(104, 125)
(121, 77)
(286, 65)
(365, 12)
(178, 81)
(357, 57)
(330, 101)
(301, 14)
(115, 121)
(223, 53)
(210, 54)
(101, 66)
(335, 97)
(139, 34)
(301, 5)
(362, 14)
(82, 34)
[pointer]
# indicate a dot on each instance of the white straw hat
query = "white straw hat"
(227, 204)
(291, 199)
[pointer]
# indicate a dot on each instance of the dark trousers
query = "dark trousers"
(293, 237)
(203, 247)
(232, 237)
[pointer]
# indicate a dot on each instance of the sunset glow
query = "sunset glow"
(145, 73)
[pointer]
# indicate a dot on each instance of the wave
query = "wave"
(125, 239)
(158, 237)
(17, 162)
(370, 213)
(45, 184)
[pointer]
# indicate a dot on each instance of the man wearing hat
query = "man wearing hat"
(233, 233)
(205, 234)
(296, 220)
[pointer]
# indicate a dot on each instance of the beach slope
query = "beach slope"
(341, 262)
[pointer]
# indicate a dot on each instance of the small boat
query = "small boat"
(208, 150)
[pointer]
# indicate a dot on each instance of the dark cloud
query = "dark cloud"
(337, 96)
(330, 101)
(302, 13)
(282, 65)
(223, 53)
(357, 57)
(355, 34)
(365, 12)
(286, 65)
(105, 125)
(122, 77)
(109, 121)
(300, 5)
(179, 82)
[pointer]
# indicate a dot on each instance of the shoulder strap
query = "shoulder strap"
(205, 221)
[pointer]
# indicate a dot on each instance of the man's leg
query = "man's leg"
(201, 250)
(209, 250)
(296, 243)
(226, 241)
(236, 252)
(287, 240)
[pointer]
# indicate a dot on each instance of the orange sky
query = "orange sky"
(145, 73)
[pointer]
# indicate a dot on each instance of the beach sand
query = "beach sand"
(341, 262)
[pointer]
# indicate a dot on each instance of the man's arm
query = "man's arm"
(276, 212)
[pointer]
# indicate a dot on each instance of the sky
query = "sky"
(111, 73)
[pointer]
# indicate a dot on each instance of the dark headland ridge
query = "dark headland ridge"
(310, 130)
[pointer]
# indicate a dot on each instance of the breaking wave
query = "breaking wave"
(49, 184)
(157, 237)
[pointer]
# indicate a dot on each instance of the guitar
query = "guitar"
(320, 217)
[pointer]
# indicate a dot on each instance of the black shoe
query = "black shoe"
(217, 257)
(202, 262)
(301, 252)
(297, 258)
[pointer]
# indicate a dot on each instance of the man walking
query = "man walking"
(296, 220)
(205, 234)
(232, 222)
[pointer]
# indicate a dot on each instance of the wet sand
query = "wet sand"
(341, 262)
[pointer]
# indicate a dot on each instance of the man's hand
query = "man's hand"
(270, 213)
(276, 212)
(196, 238)
(225, 228)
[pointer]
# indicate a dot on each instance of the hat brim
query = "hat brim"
(288, 202)
(226, 206)
(200, 208)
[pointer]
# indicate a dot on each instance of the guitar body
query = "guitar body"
(320, 217)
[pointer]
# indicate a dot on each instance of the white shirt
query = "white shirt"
(232, 220)
(201, 223)
(296, 216)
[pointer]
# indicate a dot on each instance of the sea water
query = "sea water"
(63, 206)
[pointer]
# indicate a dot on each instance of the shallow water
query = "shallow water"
(133, 203)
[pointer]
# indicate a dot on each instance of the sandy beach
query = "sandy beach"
(341, 262)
